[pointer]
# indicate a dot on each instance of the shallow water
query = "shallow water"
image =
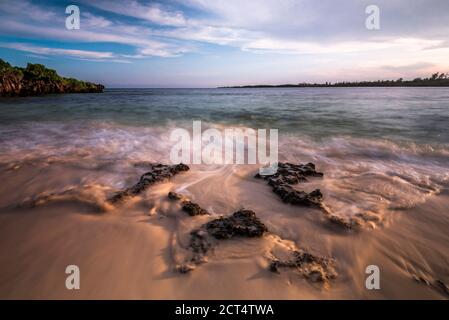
(413, 114)
(384, 153)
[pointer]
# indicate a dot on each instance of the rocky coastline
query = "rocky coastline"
(36, 80)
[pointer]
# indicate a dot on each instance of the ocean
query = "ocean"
(400, 114)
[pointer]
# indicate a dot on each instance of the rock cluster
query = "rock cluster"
(192, 208)
(175, 196)
(289, 174)
(317, 269)
(158, 172)
(245, 224)
(242, 223)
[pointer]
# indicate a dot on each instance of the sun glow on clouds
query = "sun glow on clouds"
(287, 31)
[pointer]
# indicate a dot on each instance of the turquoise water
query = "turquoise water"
(420, 115)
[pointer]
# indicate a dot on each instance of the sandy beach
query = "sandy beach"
(54, 213)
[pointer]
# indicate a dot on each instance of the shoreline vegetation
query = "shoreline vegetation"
(36, 79)
(435, 80)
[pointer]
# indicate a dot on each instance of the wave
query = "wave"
(369, 177)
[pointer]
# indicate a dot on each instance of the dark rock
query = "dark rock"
(290, 195)
(158, 172)
(299, 170)
(193, 209)
(184, 268)
(289, 174)
(174, 196)
(243, 223)
(293, 172)
(316, 269)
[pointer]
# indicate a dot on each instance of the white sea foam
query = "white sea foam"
(362, 176)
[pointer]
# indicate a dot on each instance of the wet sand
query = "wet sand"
(131, 251)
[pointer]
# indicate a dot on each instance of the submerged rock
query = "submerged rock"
(158, 172)
(347, 223)
(200, 243)
(289, 174)
(293, 173)
(314, 268)
(354, 222)
(290, 195)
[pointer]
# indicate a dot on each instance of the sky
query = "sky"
(209, 43)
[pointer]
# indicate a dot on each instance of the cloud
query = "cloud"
(303, 26)
(300, 47)
(409, 34)
(409, 67)
(57, 51)
(209, 34)
(328, 20)
(151, 12)
(91, 55)
(289, 26)
(138, 37)
(43, 52)
(26, 9)
(90, 20)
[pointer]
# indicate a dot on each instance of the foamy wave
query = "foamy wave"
(90, 141)
(367, 177)
(94, 196)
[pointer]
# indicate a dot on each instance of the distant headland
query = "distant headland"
(36, 80)
(435, 80)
